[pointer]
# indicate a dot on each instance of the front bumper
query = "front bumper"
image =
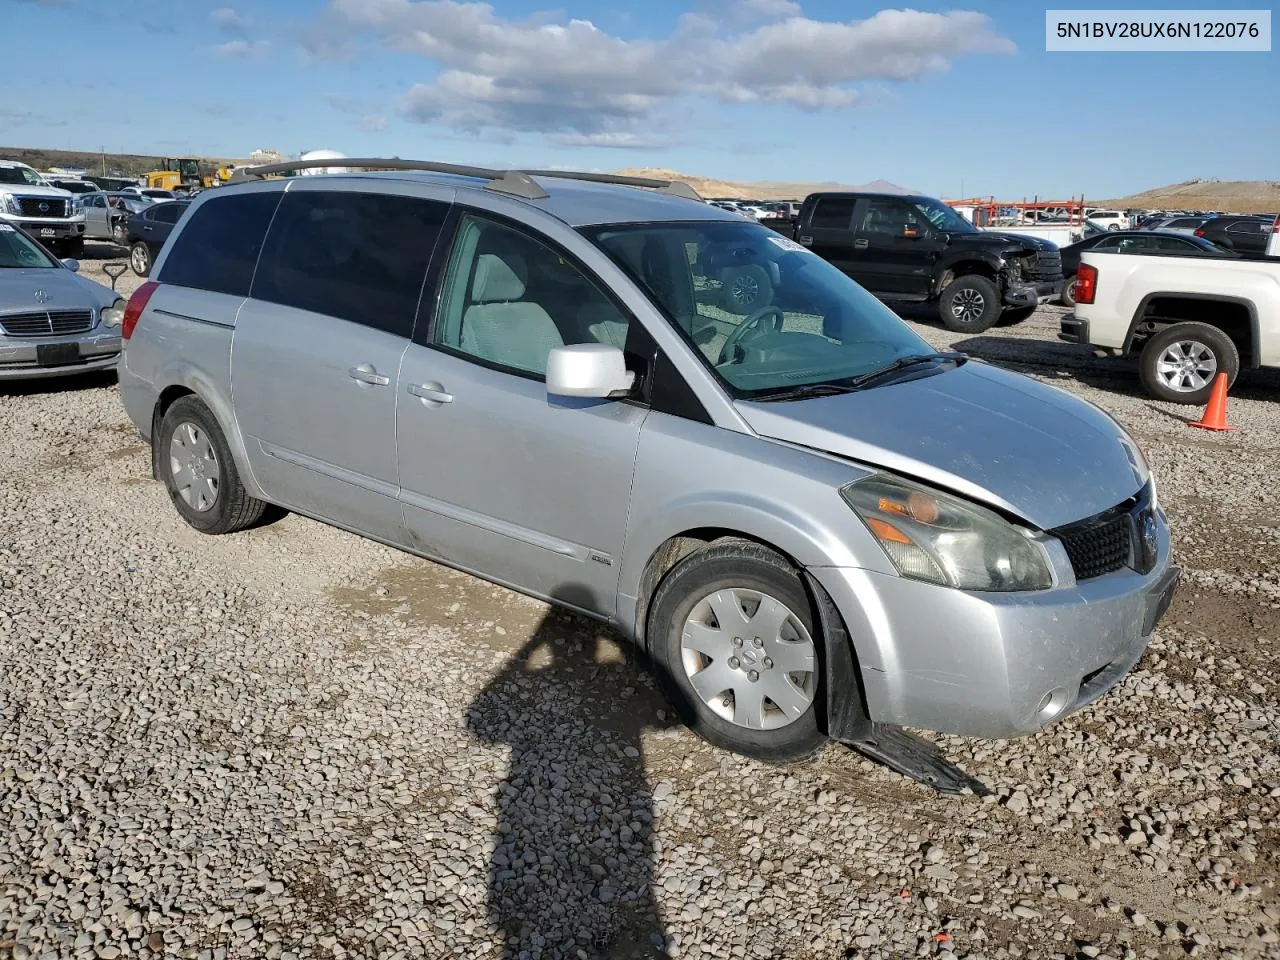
(96, 349)
(1074, 329)
(48, 229)
(1031, 294)
(995, 664)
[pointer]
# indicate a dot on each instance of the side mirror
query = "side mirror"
(588, 370)
(72, 265)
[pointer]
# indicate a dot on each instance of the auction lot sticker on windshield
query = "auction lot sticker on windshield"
(790, 245)
(1170, 31)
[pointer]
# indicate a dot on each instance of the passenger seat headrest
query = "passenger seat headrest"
(499, 279)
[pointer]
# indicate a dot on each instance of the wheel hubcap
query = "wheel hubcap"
(968, 306)
(1186, 366)
(749, 659)
(139, 259)
(193, 465)
(744, 290)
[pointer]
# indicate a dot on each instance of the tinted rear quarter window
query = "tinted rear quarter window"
(361, 257)
(169, 212)
(833, 212)
(218, 248)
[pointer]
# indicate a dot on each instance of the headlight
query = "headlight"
(938, 538)
(8, 204)
(114, 314)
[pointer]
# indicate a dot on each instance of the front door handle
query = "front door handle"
(807, 241)
(431, 392)
(860, 244)
(366, 373)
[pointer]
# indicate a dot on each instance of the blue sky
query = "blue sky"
(939, 98)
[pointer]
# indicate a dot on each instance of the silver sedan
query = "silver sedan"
(52, 322)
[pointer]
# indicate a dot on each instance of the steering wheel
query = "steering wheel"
(754, 322)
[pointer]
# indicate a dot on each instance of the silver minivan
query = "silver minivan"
(813, 524)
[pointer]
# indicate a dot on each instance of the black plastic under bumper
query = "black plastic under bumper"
(1031, 294)
(1074, 329)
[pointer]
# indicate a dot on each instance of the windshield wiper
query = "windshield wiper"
(810, 390)
(902, 363)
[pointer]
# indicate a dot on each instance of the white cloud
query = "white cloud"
(227, 19)
(241, 48)
(580, 85)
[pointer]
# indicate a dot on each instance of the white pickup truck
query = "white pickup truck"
(1188, 318)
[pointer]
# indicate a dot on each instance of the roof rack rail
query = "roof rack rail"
(518, 183)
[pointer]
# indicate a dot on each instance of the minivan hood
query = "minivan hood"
(993, 436)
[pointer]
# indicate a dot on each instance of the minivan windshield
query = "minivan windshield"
(19, 252)
(766, 314)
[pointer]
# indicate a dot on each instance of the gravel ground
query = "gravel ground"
(296, 743)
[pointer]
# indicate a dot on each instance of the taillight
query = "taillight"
(1275, 227)
(133, 309)
(1199, 231)
(1086, 283)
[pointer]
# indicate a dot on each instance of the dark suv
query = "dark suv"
(149, 229)
(911, 248)
(1245, 234)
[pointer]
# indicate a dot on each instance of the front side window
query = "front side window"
(361, 257)
(892, 218)
(218, 248)
(509, 299)
(765, 314)
(18, 252)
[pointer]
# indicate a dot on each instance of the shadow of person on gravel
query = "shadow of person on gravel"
(572, 869)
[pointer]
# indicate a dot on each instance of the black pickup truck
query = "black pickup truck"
(909, 248)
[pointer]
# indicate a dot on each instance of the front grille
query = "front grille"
(1098, 545)
(1046, 266)
(51, 323)
(52, 207)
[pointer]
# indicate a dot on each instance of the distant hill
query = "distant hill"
(1229, 196)
(710, 187)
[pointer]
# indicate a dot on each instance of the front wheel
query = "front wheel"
(969, 304)
(193, 459)
(733, 638)
(1180, 363)
(140, 258)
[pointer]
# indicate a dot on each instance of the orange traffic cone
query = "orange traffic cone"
(1215, 412)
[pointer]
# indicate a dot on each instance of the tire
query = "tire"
(1112, 227)
(190, 445)
(754, 581)
(1068, 295)
(1011, 315)
(140, 258)
(1211, 351)
(969, 304)
(745, 289)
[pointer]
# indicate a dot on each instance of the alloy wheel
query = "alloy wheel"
(1186, 366)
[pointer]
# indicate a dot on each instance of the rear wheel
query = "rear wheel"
(969, 304)
(732, 634)
(1068, 294)
(1180, 363)
(140, 258)
(195, 463)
